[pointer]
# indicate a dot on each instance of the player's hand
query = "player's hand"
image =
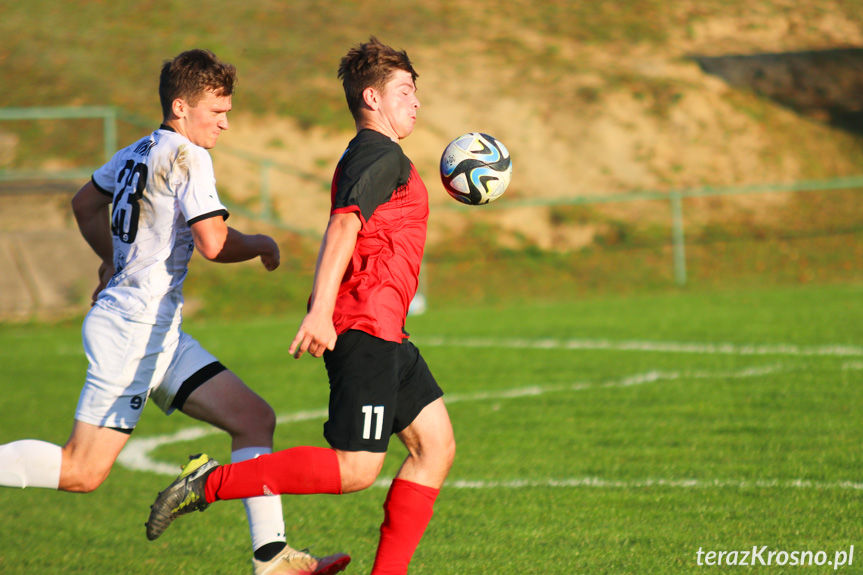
(270, 255)
(106, 272)
(316, 335)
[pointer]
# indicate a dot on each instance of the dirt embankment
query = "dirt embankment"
(690, 114)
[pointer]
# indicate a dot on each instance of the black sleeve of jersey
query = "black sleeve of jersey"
(101, 189)
(369, 176)
(223, 213)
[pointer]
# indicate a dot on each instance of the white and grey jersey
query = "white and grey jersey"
(159, 186)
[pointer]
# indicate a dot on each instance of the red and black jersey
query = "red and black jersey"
(379, 183)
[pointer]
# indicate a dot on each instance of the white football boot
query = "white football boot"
(293, 562)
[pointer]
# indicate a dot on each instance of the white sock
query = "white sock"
(266, 521)
(30, 463)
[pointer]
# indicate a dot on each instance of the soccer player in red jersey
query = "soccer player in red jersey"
(367, 273)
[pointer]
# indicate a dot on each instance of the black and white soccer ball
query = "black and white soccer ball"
(475, 168)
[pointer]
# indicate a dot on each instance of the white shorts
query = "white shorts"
(131, 362)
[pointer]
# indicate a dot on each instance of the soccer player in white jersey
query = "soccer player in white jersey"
(165, 206)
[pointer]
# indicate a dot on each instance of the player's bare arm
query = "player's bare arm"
(316, 332)
(93, 213)
(219, 243)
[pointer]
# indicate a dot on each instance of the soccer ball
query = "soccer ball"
(475, 168)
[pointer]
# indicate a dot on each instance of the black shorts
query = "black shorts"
(377, 388)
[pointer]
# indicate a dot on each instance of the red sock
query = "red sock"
(407, 511)
(299, 471)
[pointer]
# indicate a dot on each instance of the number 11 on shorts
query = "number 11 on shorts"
(375, 412)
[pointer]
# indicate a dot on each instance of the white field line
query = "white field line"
(596, 482)
(136, 455)
(639, 345)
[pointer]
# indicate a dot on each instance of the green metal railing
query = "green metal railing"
(676, 197)
(266, 166)
(107, 114)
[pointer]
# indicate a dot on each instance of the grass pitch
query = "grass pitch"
(607, 435)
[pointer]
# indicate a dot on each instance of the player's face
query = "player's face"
(399, 103)
(205, 121)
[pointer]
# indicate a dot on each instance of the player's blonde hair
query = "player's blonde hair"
(191, 74)
(370, 65)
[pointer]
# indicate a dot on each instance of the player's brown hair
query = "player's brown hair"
(191, 74)
(370, 65)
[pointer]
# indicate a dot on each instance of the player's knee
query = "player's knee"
(360, 477)
(440, 448)
(90, 484)
(440, 454)
(265, 417)
(359, 470)
(82, 481)
(358, 482)
(256, 421)
(448, 453)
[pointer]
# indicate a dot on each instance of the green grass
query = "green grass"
(610, 460)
